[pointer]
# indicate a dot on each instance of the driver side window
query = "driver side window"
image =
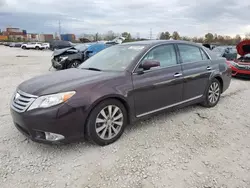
(165, 54)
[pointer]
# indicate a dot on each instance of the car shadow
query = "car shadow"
(141, 124)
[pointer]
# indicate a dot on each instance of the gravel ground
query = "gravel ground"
(191, 147)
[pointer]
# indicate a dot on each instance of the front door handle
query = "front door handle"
(209, 68)
(177, 75)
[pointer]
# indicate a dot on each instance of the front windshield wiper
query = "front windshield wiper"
(91, 68)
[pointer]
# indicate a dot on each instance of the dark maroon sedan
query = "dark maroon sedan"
(115, 87)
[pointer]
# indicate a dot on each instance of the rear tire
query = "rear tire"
(106, 122)
(37, 48)
(212, 94)
(24, 47)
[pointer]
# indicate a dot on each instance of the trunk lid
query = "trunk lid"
(243, 47)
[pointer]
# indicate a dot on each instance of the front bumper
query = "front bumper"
(62, 119)
(56, 64)
(240, 73)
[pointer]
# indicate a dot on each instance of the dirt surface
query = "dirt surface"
(191, 147)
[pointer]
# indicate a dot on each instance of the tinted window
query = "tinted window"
(165, 54)
(189, 53)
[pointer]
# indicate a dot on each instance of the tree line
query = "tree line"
(208, 38)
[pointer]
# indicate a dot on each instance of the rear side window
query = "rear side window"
(189, 53)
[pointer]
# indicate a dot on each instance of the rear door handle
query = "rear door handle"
(209, 68)
(177, 75)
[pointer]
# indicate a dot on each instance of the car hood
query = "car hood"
(243, 47)
(61, 51)
(64, 80)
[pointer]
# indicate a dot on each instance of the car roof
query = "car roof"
(155, 42)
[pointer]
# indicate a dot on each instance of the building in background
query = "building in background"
(15, 33)
(68, 37)
(3, 38)
(39, 37)
(46, 37)
(32, 37)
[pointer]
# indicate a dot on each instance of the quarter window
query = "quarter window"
(165, 54)
(204, 55)
(189, 53)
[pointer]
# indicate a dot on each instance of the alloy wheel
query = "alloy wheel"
(74, 64)
(109, 122)
(214, 92)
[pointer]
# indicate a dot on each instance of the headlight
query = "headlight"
(63, 58)
(51, 100)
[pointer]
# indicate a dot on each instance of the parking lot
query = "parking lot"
(191, 147)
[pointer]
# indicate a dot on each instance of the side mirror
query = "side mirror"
(148, 64)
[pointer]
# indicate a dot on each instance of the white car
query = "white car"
(46, 45)
(33, 45)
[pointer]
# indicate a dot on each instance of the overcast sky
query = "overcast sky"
(189, 17)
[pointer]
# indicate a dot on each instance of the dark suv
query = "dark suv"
(59, 44)
(117, 86)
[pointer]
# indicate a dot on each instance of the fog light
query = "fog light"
(53, 136)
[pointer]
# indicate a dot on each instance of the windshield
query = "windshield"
(114, 58)
(81, 47)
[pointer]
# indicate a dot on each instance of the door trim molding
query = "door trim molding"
(169, 106)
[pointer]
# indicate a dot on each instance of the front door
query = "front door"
(160, 87)
(197, 69)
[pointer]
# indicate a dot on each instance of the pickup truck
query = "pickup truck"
(33, 45)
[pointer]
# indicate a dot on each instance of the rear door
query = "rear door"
(196, 68)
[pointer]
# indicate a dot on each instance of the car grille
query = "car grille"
(21, 101)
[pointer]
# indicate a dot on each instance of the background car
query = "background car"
(241, 66)
(16, 44)
(74, 56)
(117, 86)
(33, 45)
(59, 44)
(46, 45)
(228, 52)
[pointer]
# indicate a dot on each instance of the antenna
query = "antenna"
(150, 33)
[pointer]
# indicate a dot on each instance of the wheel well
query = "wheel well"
(221, 82)
(124, 103)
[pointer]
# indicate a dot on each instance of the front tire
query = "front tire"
(106, 122)
(213, 94)
(37, 48)
(74, 64)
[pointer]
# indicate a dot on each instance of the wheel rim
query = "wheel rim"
(109, 122)
(214, 92)
(74, 65)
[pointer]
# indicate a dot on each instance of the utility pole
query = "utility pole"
(150, 33)
(138, 35)
(59, 29)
